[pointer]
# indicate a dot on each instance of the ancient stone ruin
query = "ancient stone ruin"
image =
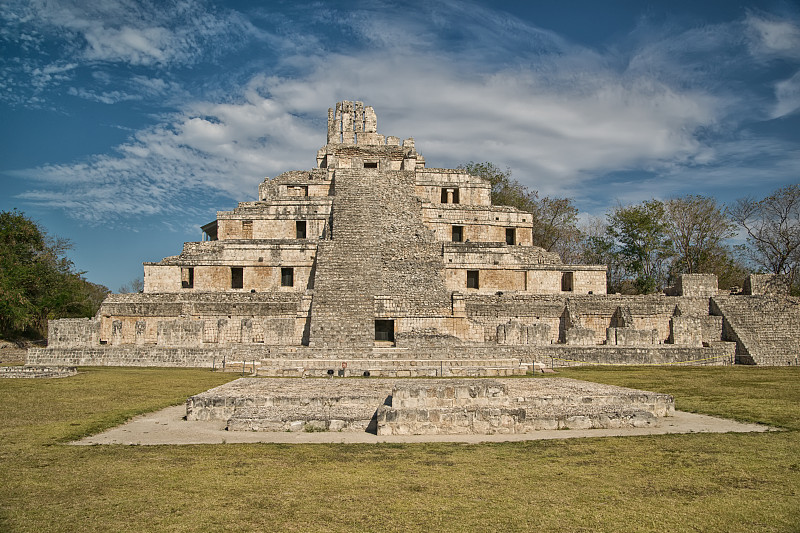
(373, 264)
(427, 406)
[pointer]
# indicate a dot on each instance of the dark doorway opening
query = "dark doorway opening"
(237, 277)
(567, 281)
(384, 330)
(187, 278)
(287, 277)
(472, 279)
(511, 236)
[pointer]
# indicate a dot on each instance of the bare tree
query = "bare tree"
(134, 285)
(699, 229)
(773, 231)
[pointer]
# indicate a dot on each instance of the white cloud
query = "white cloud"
(559, 115)
(787, 95)
(139, 33)
(48, 41)
(553, 134)
(774, 37)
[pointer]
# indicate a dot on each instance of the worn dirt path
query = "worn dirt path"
(168, 427)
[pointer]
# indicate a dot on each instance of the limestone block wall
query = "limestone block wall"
(194, 332)
(379, 156)
(631, 337)
(647, 313)
(478, 224)
(493, 278)
(766, 284)
(697, 285)
(417, 331)
(274, 219)
(211, 264)
(275, 228)
(516, 332)
(471, 189)
(719, 353)
(314, 183)
(695, 330)
(73, 332)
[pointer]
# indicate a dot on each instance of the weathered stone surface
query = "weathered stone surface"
(29, 371)
(415, 407)
(401, 270)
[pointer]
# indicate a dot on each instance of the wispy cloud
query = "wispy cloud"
(787, 95)
(667, 105)
(54, 38)
(771, 37)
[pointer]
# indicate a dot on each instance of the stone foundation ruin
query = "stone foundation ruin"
(427, 407)
(373, 263)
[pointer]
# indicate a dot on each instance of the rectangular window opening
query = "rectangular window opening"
(449, 195)
(370, 164)
(297, 190)
(237, 277)
(567, 281)
(384, 330)
(187, 278)
(472, 279)
(511, 236)
(458, 233)
(287, 277)
(300, 229)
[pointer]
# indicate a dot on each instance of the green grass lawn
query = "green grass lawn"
(695, 482)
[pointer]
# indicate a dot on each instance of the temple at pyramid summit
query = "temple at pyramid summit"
(371, 262)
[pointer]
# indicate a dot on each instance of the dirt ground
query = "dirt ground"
(168, 427)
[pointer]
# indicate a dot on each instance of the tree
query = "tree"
(698, 228)
(134, 285)
(37, 281)
(555, 220)
(598, 248)
(641, 243)
(773, 231)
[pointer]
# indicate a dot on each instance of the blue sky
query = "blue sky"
(127, 124)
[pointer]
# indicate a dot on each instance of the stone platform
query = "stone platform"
(426, 406)
(29, 371)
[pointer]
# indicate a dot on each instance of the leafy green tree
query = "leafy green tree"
(37, 281)
(642, 244)
(555, 220)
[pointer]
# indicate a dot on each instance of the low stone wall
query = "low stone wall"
(464, 360)
(394, 368)
(134, 356)
(37, 371)
(718, 353)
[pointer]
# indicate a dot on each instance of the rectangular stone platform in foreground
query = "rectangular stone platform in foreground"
(427, 406)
